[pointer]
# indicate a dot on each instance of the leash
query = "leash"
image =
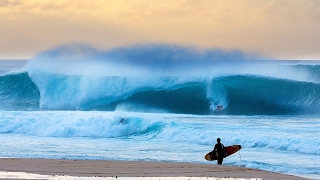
(240, 158)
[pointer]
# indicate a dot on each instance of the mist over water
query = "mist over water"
(155, 60)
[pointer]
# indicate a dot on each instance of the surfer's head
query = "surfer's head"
(218, 140)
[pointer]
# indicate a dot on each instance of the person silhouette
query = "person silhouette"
(220, 150)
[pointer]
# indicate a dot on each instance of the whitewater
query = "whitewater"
(159, 103)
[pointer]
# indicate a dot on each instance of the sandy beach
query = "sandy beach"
(12, 168)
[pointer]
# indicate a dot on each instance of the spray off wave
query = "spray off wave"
(163, 78)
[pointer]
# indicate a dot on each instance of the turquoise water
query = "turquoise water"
(286, 144)
(159, 103)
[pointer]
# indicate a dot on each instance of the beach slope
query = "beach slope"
(102, 168)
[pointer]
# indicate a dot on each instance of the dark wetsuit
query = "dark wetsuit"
(219, 147)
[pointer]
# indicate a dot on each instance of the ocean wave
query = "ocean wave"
(238, 94)
(92, 127)
(265, 95)
(137, 126)
(17, 91)
(162, 78)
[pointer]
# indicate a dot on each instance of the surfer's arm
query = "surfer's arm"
(215, 148)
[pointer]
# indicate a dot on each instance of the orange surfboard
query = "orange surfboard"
(211, 156)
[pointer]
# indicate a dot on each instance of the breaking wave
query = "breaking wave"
(162, 79)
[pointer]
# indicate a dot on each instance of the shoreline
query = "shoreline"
(108, 169)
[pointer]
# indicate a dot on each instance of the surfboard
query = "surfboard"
(211, 156)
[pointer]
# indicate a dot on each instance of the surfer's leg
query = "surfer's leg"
(220, 159)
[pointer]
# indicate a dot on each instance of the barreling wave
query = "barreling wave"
(148, 94)
(162, 78)
(265, 95)
(238, 94)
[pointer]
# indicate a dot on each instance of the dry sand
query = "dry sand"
(12, 168)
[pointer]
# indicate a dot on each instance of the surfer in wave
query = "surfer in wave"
(219, 108)
(123, 121)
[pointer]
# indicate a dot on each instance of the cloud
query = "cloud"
(283, 28)
(4, 3)
(181, 10)
(294, 10)
(9, 3)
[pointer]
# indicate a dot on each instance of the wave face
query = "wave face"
(264, 95)
(162, 78)
(17, 91)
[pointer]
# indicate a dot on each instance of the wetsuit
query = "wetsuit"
(219, 147)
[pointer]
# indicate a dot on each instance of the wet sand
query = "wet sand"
(12, 168)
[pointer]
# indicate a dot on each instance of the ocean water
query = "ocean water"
(159, 103)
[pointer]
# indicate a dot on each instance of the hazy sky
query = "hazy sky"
(282, 29)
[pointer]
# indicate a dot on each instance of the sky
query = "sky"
(279, 29)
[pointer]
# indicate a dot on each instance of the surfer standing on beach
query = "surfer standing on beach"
(219, 148)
